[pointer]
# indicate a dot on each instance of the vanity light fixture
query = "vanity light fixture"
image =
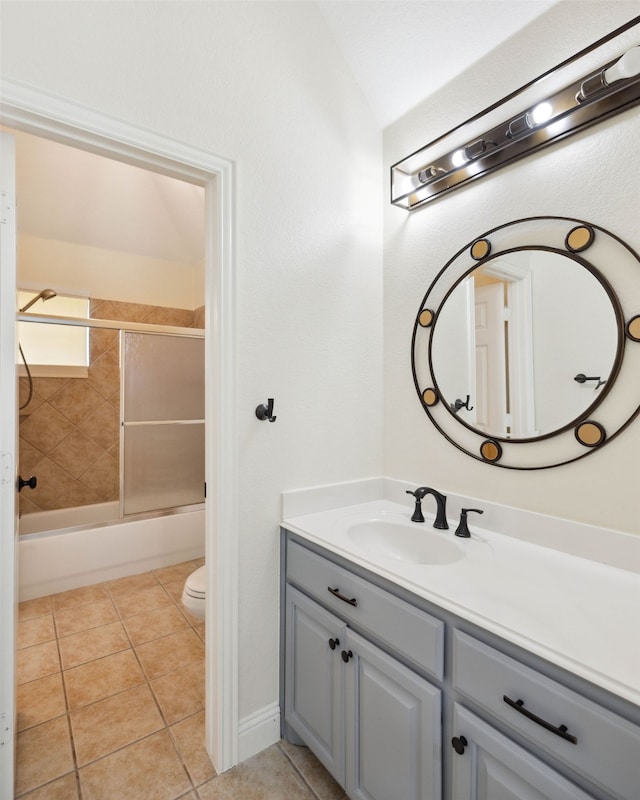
(586, 95)
(627, 67)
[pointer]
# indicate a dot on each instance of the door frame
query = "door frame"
(26, 109)
(8, 468)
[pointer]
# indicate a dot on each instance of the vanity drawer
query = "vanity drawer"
(606, 749)
(408, 631)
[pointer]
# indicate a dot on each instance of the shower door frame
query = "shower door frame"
(26, 109)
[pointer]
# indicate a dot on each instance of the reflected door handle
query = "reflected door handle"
(31, 482)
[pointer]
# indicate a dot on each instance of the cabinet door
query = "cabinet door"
(314, 679)
(392, 727)
(492, 767)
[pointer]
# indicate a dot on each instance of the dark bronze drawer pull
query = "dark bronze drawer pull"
(559, 731)
(336, 593)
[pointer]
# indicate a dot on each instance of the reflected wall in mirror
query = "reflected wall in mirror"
(524, 336)
(513, 335)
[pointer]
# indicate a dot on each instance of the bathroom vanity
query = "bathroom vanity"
(408, 686)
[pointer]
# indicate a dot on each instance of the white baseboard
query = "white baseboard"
(258, 731)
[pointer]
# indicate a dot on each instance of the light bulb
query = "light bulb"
(459, 158)
(542, 113)
(628, 66)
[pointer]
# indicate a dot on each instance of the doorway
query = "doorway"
(113, 243)
(64, 122)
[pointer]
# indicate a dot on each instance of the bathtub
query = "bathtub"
(95, 545)
(62, 518)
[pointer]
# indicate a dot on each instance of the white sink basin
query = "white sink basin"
(402, 541)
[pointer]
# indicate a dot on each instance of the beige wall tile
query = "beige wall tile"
(52, 480)
(101, 340)
(47, 387)
(74, 494)
(60, 402)
(103, 477)
(45, 428)
(103, 425)
(29, 456)
(76, 400)
(182, 318)
(76, 453)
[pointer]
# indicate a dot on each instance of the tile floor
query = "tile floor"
(111, 703)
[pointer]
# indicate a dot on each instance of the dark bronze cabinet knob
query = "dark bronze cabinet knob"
(333, 643)
(459, 743)
(346, 655)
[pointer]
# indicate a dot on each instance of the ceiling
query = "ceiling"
(400, 52)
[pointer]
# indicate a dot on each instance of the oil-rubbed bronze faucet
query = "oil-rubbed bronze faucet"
(441, 502)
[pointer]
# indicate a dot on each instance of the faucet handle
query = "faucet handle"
(463, 528)
(417, 515)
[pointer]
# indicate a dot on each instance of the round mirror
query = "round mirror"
(525, 344)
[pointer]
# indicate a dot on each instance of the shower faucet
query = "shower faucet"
(45, 294)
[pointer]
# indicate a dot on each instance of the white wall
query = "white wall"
(262, 84)
(592, 176)
(75, 268)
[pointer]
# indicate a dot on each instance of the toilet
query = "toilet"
(194, 593)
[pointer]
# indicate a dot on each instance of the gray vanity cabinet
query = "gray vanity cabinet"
(369, 686)
(392, 727)
(489, 766)
(314, 679)
(371, 720)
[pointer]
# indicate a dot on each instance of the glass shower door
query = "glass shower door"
(162, 416)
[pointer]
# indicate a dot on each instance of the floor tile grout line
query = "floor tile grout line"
(91, 627)
(181, 758)
(43, 785)
(147, 681)
(72, 743)
(77, 608)
(299, 772)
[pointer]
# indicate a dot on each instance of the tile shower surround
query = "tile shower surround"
(69, 432)
(111, 703)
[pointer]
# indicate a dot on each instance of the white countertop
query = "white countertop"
(579, 614)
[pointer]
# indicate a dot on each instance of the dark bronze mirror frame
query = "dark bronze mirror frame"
(617, 268)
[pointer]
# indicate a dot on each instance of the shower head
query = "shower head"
(45, 294)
